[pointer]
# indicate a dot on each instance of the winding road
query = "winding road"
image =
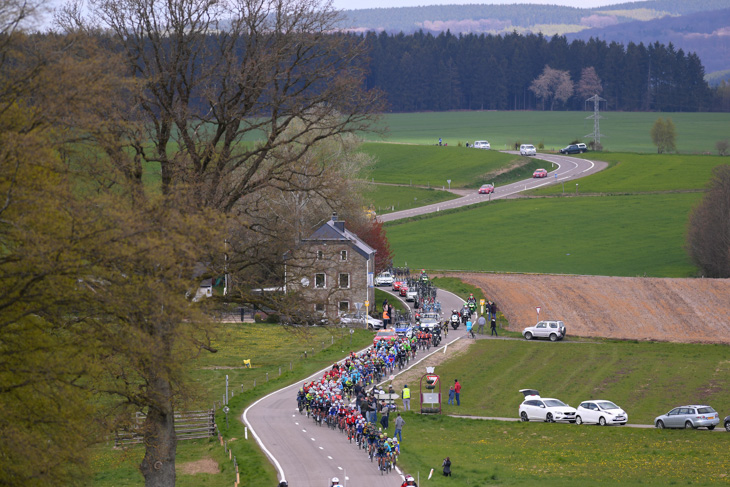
(307, 455)
(568, 169)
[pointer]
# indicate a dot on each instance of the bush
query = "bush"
(257, 318)
(541, 145)
(723, 147)
(272, 318)
(593, 145)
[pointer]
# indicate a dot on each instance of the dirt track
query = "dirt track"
(677, 310)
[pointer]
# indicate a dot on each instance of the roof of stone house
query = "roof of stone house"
(334, 230)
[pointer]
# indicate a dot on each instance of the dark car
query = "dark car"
(571, 149)
(727, 423)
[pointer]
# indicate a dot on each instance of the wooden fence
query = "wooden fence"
(188, 425)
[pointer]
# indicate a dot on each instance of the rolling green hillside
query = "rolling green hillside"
(623, 132)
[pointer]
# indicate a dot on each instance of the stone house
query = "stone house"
(332, 269)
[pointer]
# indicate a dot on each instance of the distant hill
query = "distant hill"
(701, 26)
(705, 33)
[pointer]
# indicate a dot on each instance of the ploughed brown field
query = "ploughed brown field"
(676, 310)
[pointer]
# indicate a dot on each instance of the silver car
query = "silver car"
(692, 416)
(554, 330)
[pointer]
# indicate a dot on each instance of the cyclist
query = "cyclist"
(335, 482)
(381, 452)
(409, 482)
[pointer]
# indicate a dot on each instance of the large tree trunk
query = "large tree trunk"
(158, 465)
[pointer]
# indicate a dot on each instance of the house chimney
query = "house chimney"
(339, 225)
(334, 216)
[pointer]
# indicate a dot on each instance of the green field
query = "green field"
(623, 131)
(433, 166)
(528, 454)
(646, 379)
(611, 235)
(644, 173)
(389, 198)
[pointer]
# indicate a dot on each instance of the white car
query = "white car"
(359, 319)
(600, 412)
(384, 279)
(429, 323)
(411, 295)
(527, 150)
(536, 408)
(481, 144)
(554, 330)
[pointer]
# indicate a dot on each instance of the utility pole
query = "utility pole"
(596, 135)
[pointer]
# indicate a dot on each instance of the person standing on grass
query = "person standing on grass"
(457, 391)
(406, 395)
(447, 467)
(494, 326)
(399, 422)
(451, 395)
(481, 321)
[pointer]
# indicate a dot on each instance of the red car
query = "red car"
(397, 285)
(486, 189)
(387, 335)
(403, 290)
(540, 173)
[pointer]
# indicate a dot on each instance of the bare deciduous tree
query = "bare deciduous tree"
(590, 83)
(552, 85)
(708, 235)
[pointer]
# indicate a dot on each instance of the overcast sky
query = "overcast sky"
(359, 4)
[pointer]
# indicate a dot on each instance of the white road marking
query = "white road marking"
(304, 431)
(313, 439)
(329, 457)
(321, 448)
(339, 468)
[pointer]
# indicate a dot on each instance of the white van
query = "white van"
(481, 144)
(527, 150)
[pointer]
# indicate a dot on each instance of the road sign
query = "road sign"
(538, 310)
(482, 302)
(367, 304)
(432, 379)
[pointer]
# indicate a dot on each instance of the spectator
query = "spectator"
(447, 467)
(384, 414)
(481, 321)
(406, 395)
(399, 422)
(451, 395)
(457, 391)
(494, 326)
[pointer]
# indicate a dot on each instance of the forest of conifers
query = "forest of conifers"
(422, 72)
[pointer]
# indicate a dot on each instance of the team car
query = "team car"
(540, 173)
(486, 189)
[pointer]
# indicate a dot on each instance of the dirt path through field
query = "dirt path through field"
(677, 310)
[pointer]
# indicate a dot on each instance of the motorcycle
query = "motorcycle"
(455, 321)
(472, 307)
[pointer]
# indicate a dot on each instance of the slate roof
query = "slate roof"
(335, 231)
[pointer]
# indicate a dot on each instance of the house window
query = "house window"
(320, 255)
(319, 307)
(344, 280)
(344, 306)
(320, 281)
(343, 255)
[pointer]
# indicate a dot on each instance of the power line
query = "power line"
(596, 135)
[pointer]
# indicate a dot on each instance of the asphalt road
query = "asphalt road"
(568, 169)
(307, 455)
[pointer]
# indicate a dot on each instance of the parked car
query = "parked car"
(554, 330)
(481, 144)
(582, 147)
(598, 411)
(486, 189)
(384, 279)
(690, 417)
(540, 173)
(727, 423)
(528, 150)
(536, 408)
(360, 318)
(571, 149)
(386, 335)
